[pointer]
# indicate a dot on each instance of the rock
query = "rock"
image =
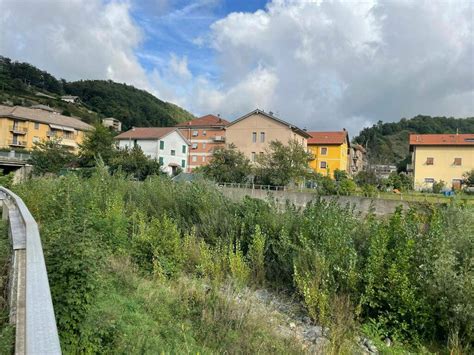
(312, 332)
(370, 346)
(388, 342)
(292, 325)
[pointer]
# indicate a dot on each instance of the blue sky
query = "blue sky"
(181, 28)
(321, 64)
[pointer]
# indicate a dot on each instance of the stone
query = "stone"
(312, 332)
(370, 346)
(292, 325)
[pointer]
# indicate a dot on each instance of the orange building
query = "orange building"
(205, 133)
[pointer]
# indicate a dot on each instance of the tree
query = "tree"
(135, 163)
(50, 156)
(282, 164)
(228, 165)
(98, 143)
(469, 177)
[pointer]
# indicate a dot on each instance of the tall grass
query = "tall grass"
(140, 246)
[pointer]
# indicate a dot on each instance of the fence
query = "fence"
(12, 155)
(31, 307)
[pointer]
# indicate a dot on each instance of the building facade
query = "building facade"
(441, 157)
(112, 123)
(167, 145)
(22, 127)
(330, 151)
(253, 132)
(205, 134)
(358, 159)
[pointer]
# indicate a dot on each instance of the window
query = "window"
(195, 133)
(183, 163)
(37, 125)
(203, 158)
(253, 156)
(429, 180)
(204, 133)
(135, 143)
(160, 160)
(323, 165)
(68, 135)
(195, 145)
(458, 161)
(194, 158)
(262, 137)
(324, 151)
(162, 145)
(204, 146)
(254, 137)
(173, 152)
(184, 149)
(429, 161)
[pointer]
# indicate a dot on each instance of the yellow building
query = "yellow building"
(330, 151)
(21, 127)
(441, 157)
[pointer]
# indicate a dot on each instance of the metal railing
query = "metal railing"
(17, 143)
(18, 129)
(31, 306)
(12, 155)
(252, 186)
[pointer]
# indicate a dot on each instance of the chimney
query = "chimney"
(344, 129)
(218, 115)
(270, 113)
(133, 128)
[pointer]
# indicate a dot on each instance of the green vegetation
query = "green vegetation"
(158, 267)
(227, 165)
(387, 143)
(20, 83)
(50, 156)
(7, 334)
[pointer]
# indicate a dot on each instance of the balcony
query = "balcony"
(218, 139)
(16, 143)
(18, 130)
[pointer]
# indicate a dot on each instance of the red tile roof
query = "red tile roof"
(145, 133)
(208, 120)
(441, 139)
(328, 137)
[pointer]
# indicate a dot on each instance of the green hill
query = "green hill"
(24, 84)
(387, 143)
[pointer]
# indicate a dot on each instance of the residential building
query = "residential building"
(112, 123)
(21, 127)
(69, 98)
(441, 157)
(205, 134)
(383, 171)
(330, 151)
(358, 159)
(253, 132)
(164, 144)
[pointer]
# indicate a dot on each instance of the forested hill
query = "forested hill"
(24, 84)
(387, 143)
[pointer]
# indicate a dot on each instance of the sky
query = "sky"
(322, 65)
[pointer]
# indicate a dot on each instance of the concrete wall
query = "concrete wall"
(301, 199)
(443, 167)
(240, 134)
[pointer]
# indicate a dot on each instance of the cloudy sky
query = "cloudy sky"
(319, 64)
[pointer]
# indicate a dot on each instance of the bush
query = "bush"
(438, 186)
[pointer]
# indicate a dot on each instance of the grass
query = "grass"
(6, 329)
(144, 315)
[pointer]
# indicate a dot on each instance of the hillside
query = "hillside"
(387, 143)
(24, 84)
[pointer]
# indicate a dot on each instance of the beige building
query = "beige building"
(441, 157)
(358, 159)
(112, 123)
(253, 132)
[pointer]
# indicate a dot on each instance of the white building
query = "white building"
(164, 144)
(112, 123)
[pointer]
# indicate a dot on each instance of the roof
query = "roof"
(442, 139)
(338, 137)
(273, 117)
(149, 133)
(204, 121)
(45, 107)
(42, 116)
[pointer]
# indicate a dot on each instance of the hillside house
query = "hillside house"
(167, 145)
(331, 151)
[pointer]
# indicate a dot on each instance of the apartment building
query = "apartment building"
(112, 124)
(164, 144)
(441, 157)
(22, 127)
(358, 159)
(253, 132)
(331, 151)
(205, 134)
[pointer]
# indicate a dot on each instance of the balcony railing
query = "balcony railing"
(18, 130)
(17, 143)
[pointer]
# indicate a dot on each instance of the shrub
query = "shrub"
(256, 256)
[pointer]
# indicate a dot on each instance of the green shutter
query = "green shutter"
(183, 163)
(184, 149)
(162, 145)
(161, 160)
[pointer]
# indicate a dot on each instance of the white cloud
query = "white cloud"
(74, 39)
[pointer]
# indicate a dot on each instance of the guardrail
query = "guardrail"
(252, 186)
(12, 155)
(31, 307)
